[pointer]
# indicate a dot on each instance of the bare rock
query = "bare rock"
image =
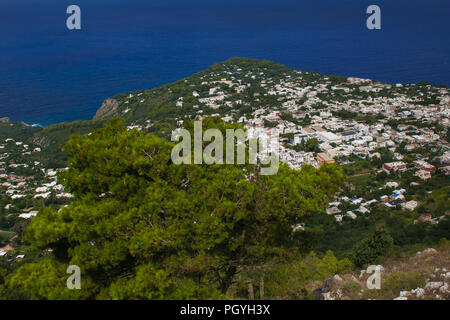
(434, 285)
(428, 251)
(327, 296)
(405, 293)
(444, 288)
(109, 108)
(337, 277)
(324, 292)
(419, 292)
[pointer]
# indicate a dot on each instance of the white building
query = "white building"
(329, 137)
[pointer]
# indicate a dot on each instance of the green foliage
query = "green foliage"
(53, 138)
(437, 203)
(17, 131)
(47, 280)
(401, 281)
(290, 279)
(372, 249)
(270, 124)
(351, 288)
(154, 283)
(312, 145)
(142, 227)
(330, 265)
(5, 236)
(287, 116)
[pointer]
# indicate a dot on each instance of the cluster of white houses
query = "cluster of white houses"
(17, 187)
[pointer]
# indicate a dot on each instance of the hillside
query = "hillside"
(421, 275)
(390, 140)
(234, 90)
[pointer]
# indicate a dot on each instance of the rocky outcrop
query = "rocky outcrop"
(421, 276)
(324, 293)
(437, 290)
(4, 120)
(109, 108)
(428, 251)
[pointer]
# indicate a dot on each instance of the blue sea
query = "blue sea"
(49, 74)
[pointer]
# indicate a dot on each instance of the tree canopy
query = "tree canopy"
(141, 227)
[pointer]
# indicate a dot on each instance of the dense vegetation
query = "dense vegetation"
(142, 227)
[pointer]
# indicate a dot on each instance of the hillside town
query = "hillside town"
(25, 186)
(392, 141)
(390, 129)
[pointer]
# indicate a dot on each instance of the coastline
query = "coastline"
(38, 122)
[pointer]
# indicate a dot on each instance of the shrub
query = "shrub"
(403, 281)
(372, 249)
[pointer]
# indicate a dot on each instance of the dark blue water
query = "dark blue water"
(49, 74)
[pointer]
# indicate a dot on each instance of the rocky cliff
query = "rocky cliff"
(109, 108)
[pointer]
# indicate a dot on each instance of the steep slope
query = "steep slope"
(423, 275)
